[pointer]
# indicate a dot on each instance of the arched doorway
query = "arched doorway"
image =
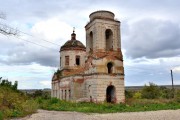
(110, 94)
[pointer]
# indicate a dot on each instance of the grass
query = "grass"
(14, 103)
(27, 106)
(130, 106)
(1, 115)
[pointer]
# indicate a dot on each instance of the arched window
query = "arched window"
(91, 41)
(109, 39)
(109, 67)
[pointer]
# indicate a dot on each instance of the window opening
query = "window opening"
(91, 41)
(77, 60)
(66, 60)
(109, 66)
(62, 94)
(65, 95)
(69, 94)
(109, 39)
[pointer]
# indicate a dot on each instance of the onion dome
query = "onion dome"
(73, 44)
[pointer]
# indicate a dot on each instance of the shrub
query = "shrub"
(150, 92)
(137, 95)
(6, 83)
(14, 103)
(166, 93)
(177, 96)
(29, 106)
(54, 100)
(128, 94)
(40, 93)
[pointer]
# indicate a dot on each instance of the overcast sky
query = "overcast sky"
(150, 33)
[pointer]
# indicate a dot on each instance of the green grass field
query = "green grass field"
(129, 106)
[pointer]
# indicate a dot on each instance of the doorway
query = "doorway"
(110, 94)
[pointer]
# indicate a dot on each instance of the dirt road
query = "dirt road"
(58, 115)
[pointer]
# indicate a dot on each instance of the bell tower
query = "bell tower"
(103, 43)
(103, 32)
(104, 61)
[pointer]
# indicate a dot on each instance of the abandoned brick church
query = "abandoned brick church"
(93, 73)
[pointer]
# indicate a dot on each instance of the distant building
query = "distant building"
(95, 72)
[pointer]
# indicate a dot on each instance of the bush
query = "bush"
(137, 95)
(166, 93)
(54, 100)
(150, 92)
(177, 96)
(6, 83)
(41, 93)
(29, 106)
(14, 103)
(128, 94)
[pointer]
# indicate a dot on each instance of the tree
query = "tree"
(8, 84)
(5, 29)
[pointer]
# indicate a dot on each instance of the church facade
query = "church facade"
(94, 73)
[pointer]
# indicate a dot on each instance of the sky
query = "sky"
(150, 36)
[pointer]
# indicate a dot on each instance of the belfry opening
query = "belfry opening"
(109, 67)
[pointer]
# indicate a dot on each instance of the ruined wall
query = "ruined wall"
(55, 89)
(70, 88)
(104, 81)
(100, 65)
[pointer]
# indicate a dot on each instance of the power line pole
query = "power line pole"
(172, 83)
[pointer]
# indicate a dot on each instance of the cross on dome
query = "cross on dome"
(73, 35)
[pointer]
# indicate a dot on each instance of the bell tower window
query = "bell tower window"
(91, 41)
(77, 60)
(109, 39)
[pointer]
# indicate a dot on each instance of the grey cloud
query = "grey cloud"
(40, 9)
(25, 55)
(25, 8)
(44, 58)
(152, 38)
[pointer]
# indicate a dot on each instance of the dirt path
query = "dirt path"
(58, 115)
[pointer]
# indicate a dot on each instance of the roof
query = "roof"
(73, 44)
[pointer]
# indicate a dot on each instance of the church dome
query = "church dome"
(73, 44)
